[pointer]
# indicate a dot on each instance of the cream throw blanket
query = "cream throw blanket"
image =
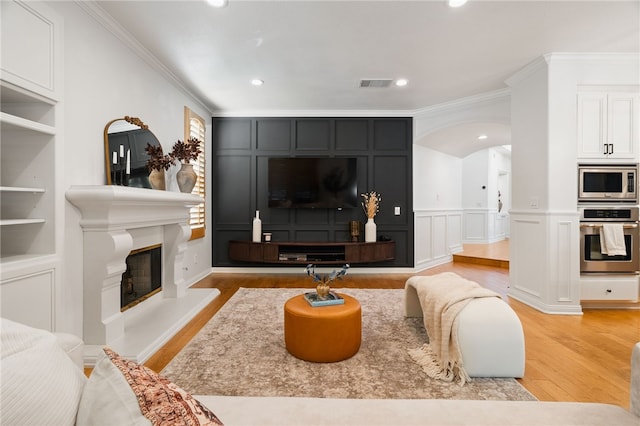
(442, 297)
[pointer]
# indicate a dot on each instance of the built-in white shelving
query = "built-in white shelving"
(17, 189)
(10, 222)
(12, 122)
(31, 204)
(27, 181)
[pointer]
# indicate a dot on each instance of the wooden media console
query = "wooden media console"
(311, 252)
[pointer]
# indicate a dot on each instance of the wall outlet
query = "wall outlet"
(534, 202)
(396, 210)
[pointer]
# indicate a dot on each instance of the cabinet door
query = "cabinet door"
(622, 124)
(592, 109)
(31, 45)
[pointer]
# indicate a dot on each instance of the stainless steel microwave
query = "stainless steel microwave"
(608, 183)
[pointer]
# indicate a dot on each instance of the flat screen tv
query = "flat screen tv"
(313, 182)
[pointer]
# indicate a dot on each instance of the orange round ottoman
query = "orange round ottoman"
(323, 333)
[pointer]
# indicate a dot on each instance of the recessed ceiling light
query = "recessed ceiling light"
(456, 3)
(218, 3)
(257, 82)
(401, 82)
(482, 137)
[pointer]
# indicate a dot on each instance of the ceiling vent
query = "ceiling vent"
(375, 82)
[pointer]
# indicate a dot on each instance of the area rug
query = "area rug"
(241, 352)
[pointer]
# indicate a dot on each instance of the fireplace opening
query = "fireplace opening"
(143, 277)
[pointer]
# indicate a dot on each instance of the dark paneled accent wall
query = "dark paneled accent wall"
(240, 154)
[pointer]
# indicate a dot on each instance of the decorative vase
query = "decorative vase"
(256, 228)
(370, 231)
(156, 179)
(323, 290)
(354, 230)
(186, 178)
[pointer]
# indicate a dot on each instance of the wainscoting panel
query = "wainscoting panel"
(423, 250)
(484, 226)
(527, 263)
(454, 231)
(437, 236)
(544, 265)
(29, 299)
(475, 226)
(564, 237)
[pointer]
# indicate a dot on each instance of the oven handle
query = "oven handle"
(599, 225)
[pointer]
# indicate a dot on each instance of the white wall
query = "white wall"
(480, 182)
(475, 180)
(437, 179)
(104, 79)
(437, 198)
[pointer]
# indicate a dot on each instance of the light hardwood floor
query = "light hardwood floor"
(568, 358)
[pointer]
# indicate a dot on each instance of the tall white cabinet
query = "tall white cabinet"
(31, 200)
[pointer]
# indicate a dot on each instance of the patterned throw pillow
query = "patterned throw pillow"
(110, 397)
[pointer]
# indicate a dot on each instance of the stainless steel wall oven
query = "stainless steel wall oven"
(592, 255)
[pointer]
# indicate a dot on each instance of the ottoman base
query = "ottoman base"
(322, 334)
(490, 334)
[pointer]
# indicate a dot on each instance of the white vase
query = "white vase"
(257, 228)
(370, 231)
(186, 178)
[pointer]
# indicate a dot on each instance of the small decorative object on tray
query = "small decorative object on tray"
(322, 289)
(330, 299)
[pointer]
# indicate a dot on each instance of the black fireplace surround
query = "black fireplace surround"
(143, 277)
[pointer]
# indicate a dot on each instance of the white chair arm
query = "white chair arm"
(73, 346)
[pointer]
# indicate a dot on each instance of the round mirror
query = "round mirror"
(125, 140)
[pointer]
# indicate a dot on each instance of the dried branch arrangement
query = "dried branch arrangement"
(157, 159)
(371, 203)
(186, 151)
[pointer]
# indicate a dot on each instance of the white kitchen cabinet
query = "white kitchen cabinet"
(612, 288)
(31, 202)
(608, 125)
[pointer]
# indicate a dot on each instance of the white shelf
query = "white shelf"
(14, 94)
(30, 259)
(18, 189)
(12, 222)
(13, 122)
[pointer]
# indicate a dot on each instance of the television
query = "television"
(313, 182)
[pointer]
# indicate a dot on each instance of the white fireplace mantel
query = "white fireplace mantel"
(123, 207)
(116, 220)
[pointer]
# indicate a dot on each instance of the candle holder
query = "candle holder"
(354, 230)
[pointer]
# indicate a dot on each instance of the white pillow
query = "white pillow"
(121, 392)
(40, 385)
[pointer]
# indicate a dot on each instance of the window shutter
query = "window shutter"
(195, 128)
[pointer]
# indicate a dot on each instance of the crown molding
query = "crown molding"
(469, 101)
(622, 58)
(103, 18)
(314, 113)
(528, 70)
(606, 57)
